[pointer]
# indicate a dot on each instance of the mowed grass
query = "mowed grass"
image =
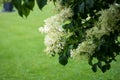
(22, 54)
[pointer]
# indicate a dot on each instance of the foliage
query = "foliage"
(82, 27)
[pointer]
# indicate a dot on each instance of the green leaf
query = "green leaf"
(90, 61)
(25, 10)
(20, 12)
(17, 3)
(104, 68)
(108, 66)
(63, 59)
(18, 6)
(94, 67)
(41, 3)
(30, 4)
(99, 64)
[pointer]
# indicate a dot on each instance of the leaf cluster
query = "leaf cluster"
(25, 6)
(107, 47)
(85, 15)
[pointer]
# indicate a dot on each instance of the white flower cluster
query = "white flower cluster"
(55, 34)
(86, 47)
(107, 23)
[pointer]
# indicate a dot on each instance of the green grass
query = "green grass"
(22, 56)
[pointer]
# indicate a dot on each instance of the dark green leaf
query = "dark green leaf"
(99, 64)
(17, 3)
(25, 10)
(90, 60)
(108, 66)
(104, 69)
(30, 4)
(18, 6)
(20, 13)
(94, 67)
(63, 59)
(41, 3)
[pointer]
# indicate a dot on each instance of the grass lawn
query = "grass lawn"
(22, 56)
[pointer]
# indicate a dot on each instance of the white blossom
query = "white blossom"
(55, 34)
(104, 26)
(83, 48)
